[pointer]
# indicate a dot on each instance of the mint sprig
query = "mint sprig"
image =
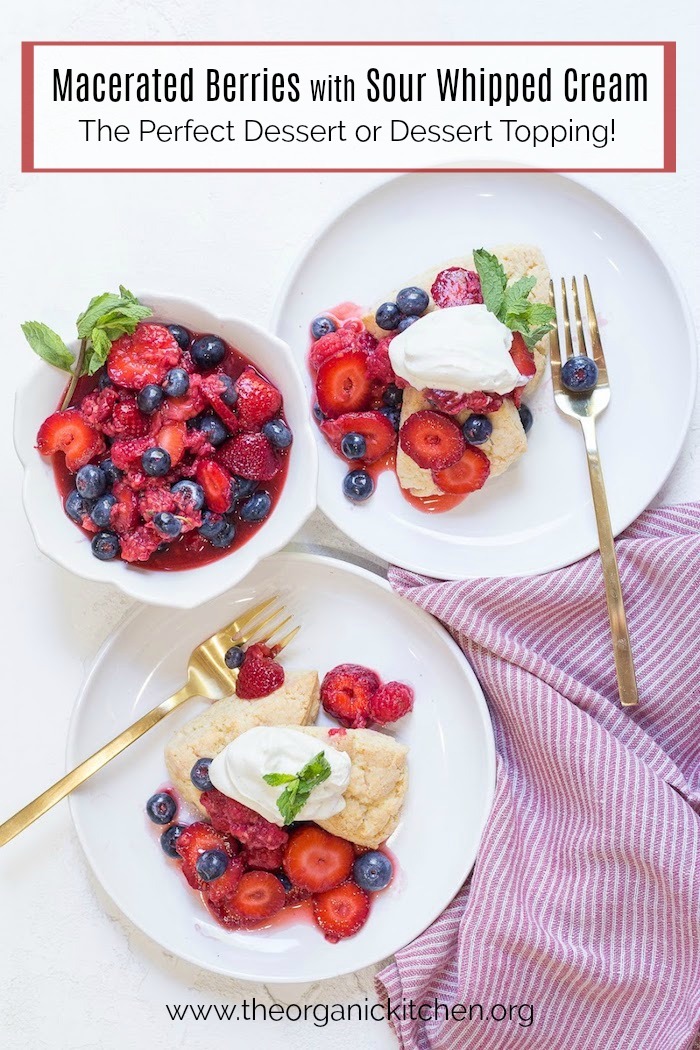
(107, 317)
(511, 303)
(299, 785)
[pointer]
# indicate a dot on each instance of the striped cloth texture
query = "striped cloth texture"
(584, 903)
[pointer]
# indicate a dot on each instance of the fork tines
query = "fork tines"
(581, 340)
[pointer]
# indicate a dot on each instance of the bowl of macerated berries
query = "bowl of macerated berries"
(166, 450)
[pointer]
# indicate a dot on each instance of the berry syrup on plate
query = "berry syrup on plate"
(214, 416)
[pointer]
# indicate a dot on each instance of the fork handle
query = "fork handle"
(91, 765)
(622, 651)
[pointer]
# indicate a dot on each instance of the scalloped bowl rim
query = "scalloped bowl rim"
(59, 539)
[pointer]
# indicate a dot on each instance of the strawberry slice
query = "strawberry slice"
(218, 894)
(315, 860)
(456, 286)
(466, 475)
(258, 400)
(452, 403)
(173, 438)
(213, 386)
(68, 432)
(375, 428)
(216, 482)
(257, 896)
(195, 840)
(342, 911)
(250, 456)
(144, 357)
(343, 383)
(432, 440)
(523, 359)
(124, 516)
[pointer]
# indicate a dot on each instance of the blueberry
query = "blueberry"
(105, 545)
(285, 880)
(579, 374)
(208, 351)
(112, 473)
(412, 301)
(162, 548)
(229, 395)
(102, 510)
(169, 838)
(199, 774)
(150, 398)
(277, 433)
(477, 429)
(76, 507)
(388, 316)
(372, 871)
(393, 396)
(155, 462)
(90, 481)
(525, 417)
(234, 657)
(161, 807)
(176, 383)
(318, 413)
(406, 322)
(212, 525)
(358, 485)
(244, 487)
(180, 335)
(393, 415)
(256, 507)
(190, 493)
(322, 326)
(211, 864)
(224, 538)
(213, 429)
(167, 524)
(104, 381)
(354, 446)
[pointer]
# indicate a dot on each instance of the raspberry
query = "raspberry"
(156, 499)
(346, 692)
(259, 676)
(250, 456)
(126, 418)
(144, 357)
(97, 406)
(328, 345)
(197, 443)
(124, 515)
(180, 409)
(456, 286)
(379, 363)
(140, 544)
(125, 452)
(232, 818)
(261, 858)
(391, 702)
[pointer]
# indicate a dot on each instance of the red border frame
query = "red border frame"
(27, 105)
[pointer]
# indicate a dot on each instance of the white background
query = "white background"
(73, 974)
(60, 139)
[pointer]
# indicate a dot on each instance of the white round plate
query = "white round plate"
(347, 615)
(539, 515)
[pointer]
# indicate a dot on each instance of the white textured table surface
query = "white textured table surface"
(73, 973)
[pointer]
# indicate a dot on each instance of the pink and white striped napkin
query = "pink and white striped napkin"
(584, 903)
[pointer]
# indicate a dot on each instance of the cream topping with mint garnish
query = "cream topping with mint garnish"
(282, 774)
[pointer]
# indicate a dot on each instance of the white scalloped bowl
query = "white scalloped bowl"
(57, 536)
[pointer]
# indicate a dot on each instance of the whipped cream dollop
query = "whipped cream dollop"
(460, 348)
(238, 772)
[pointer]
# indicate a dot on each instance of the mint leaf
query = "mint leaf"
(48, 345)
(493, 279)
(275, 779)
(98, 306)
(97, 351)
(299, 787)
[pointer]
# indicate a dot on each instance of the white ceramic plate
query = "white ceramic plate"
(539, 515)
(348, 614)
(62, 541)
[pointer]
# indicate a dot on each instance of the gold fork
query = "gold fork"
(585, 408)
(207, 676)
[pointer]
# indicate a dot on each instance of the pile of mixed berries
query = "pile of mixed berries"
(178, 438)
(248, 869)
(359, 397)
